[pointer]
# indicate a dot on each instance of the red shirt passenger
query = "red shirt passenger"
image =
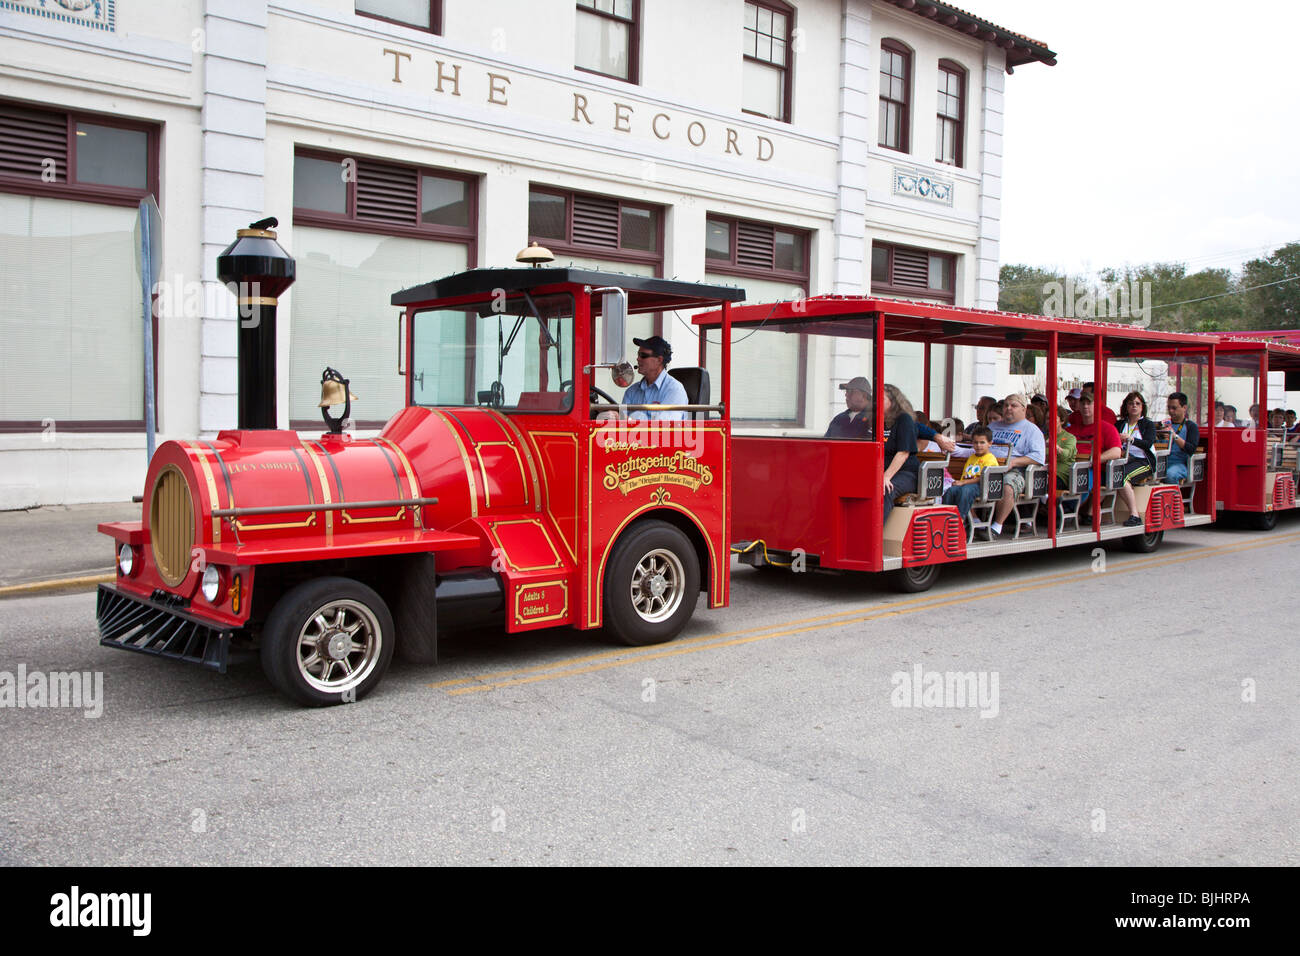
(1088, 431)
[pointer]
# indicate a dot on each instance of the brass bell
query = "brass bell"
(332, 393)
(334, 390)
(534, 255)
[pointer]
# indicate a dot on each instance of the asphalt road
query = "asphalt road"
(1144, 714)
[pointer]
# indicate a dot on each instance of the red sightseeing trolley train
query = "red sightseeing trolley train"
(514, 487)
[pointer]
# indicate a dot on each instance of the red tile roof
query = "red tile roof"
(1020, 48)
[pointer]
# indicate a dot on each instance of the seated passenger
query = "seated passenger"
(995, 414)
(1138, 434)
(1229, 417)
(1072, 400)
(1292, 428)
(981, 412)
(1093, 431)
(856, 419)
(963, 492)
(1067, 448)
(1183, 437)
(902, 469)
(656, 387)
(1027, 448)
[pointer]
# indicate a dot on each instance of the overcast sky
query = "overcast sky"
(1166, 131)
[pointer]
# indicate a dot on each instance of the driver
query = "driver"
(656, 387)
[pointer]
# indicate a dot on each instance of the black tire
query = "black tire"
(651, 556)
(915, 580)
(297, 655)
(1144, 543)
(415, 611)
(1263, 520)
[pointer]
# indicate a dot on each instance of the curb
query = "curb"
(57, 584)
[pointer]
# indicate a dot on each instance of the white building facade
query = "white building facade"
(824, 146)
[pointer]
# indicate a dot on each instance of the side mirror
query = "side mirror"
(613, 307)
(623, 374)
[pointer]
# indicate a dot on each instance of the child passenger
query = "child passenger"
(965, 490)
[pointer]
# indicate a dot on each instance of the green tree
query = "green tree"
(1277, 306)
(1201, 302)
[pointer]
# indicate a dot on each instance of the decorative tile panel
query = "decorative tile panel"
(919, 185)
(94, 14)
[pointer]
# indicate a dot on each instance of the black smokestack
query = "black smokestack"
(257, 270)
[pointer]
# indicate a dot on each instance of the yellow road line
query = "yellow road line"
(57, 584)
(612, 659)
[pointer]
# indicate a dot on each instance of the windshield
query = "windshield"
(512, 352)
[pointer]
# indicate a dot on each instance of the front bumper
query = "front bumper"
(135, 623)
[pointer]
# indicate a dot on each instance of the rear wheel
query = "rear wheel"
(327, 641)
(651, 584)
(1263, 520)
(912, 580)
(1144, 543)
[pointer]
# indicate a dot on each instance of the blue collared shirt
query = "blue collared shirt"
(665, 391)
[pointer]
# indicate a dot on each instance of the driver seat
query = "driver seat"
(696, 382)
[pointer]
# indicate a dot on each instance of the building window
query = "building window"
(599, 226)
(950, 133)
(901, 270)
(895, 92)
(771, 263)
(70, 185)
(607, 38)
(767, 68)
(421, 14)
(362, 229)
(376, 196)
(756, 248)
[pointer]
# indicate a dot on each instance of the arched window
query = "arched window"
(895, 95)
(950, 131)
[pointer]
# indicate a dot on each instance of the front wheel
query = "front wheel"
(1144, 543)
(327, 641)
(914, 580)
(651, 584)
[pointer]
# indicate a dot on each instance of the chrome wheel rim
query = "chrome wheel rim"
(338, 646)
(657, 586)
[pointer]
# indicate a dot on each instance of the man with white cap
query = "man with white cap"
(1072, 400)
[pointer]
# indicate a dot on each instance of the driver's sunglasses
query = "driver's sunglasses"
(645, 354)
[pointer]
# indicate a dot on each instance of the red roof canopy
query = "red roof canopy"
(945, 324)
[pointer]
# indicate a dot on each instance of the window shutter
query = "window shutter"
(387, 193)
(28, 138)
(911, 269)
(755, 245)
(595, 221)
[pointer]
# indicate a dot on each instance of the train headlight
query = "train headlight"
(126, 560)
(211, 584)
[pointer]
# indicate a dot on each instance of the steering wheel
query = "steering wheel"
(593, 394)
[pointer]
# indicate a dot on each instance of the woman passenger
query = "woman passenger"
(1138, 434)
(1067, 448)
(901, 464)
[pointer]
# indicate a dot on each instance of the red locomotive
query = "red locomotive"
(512, 486)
